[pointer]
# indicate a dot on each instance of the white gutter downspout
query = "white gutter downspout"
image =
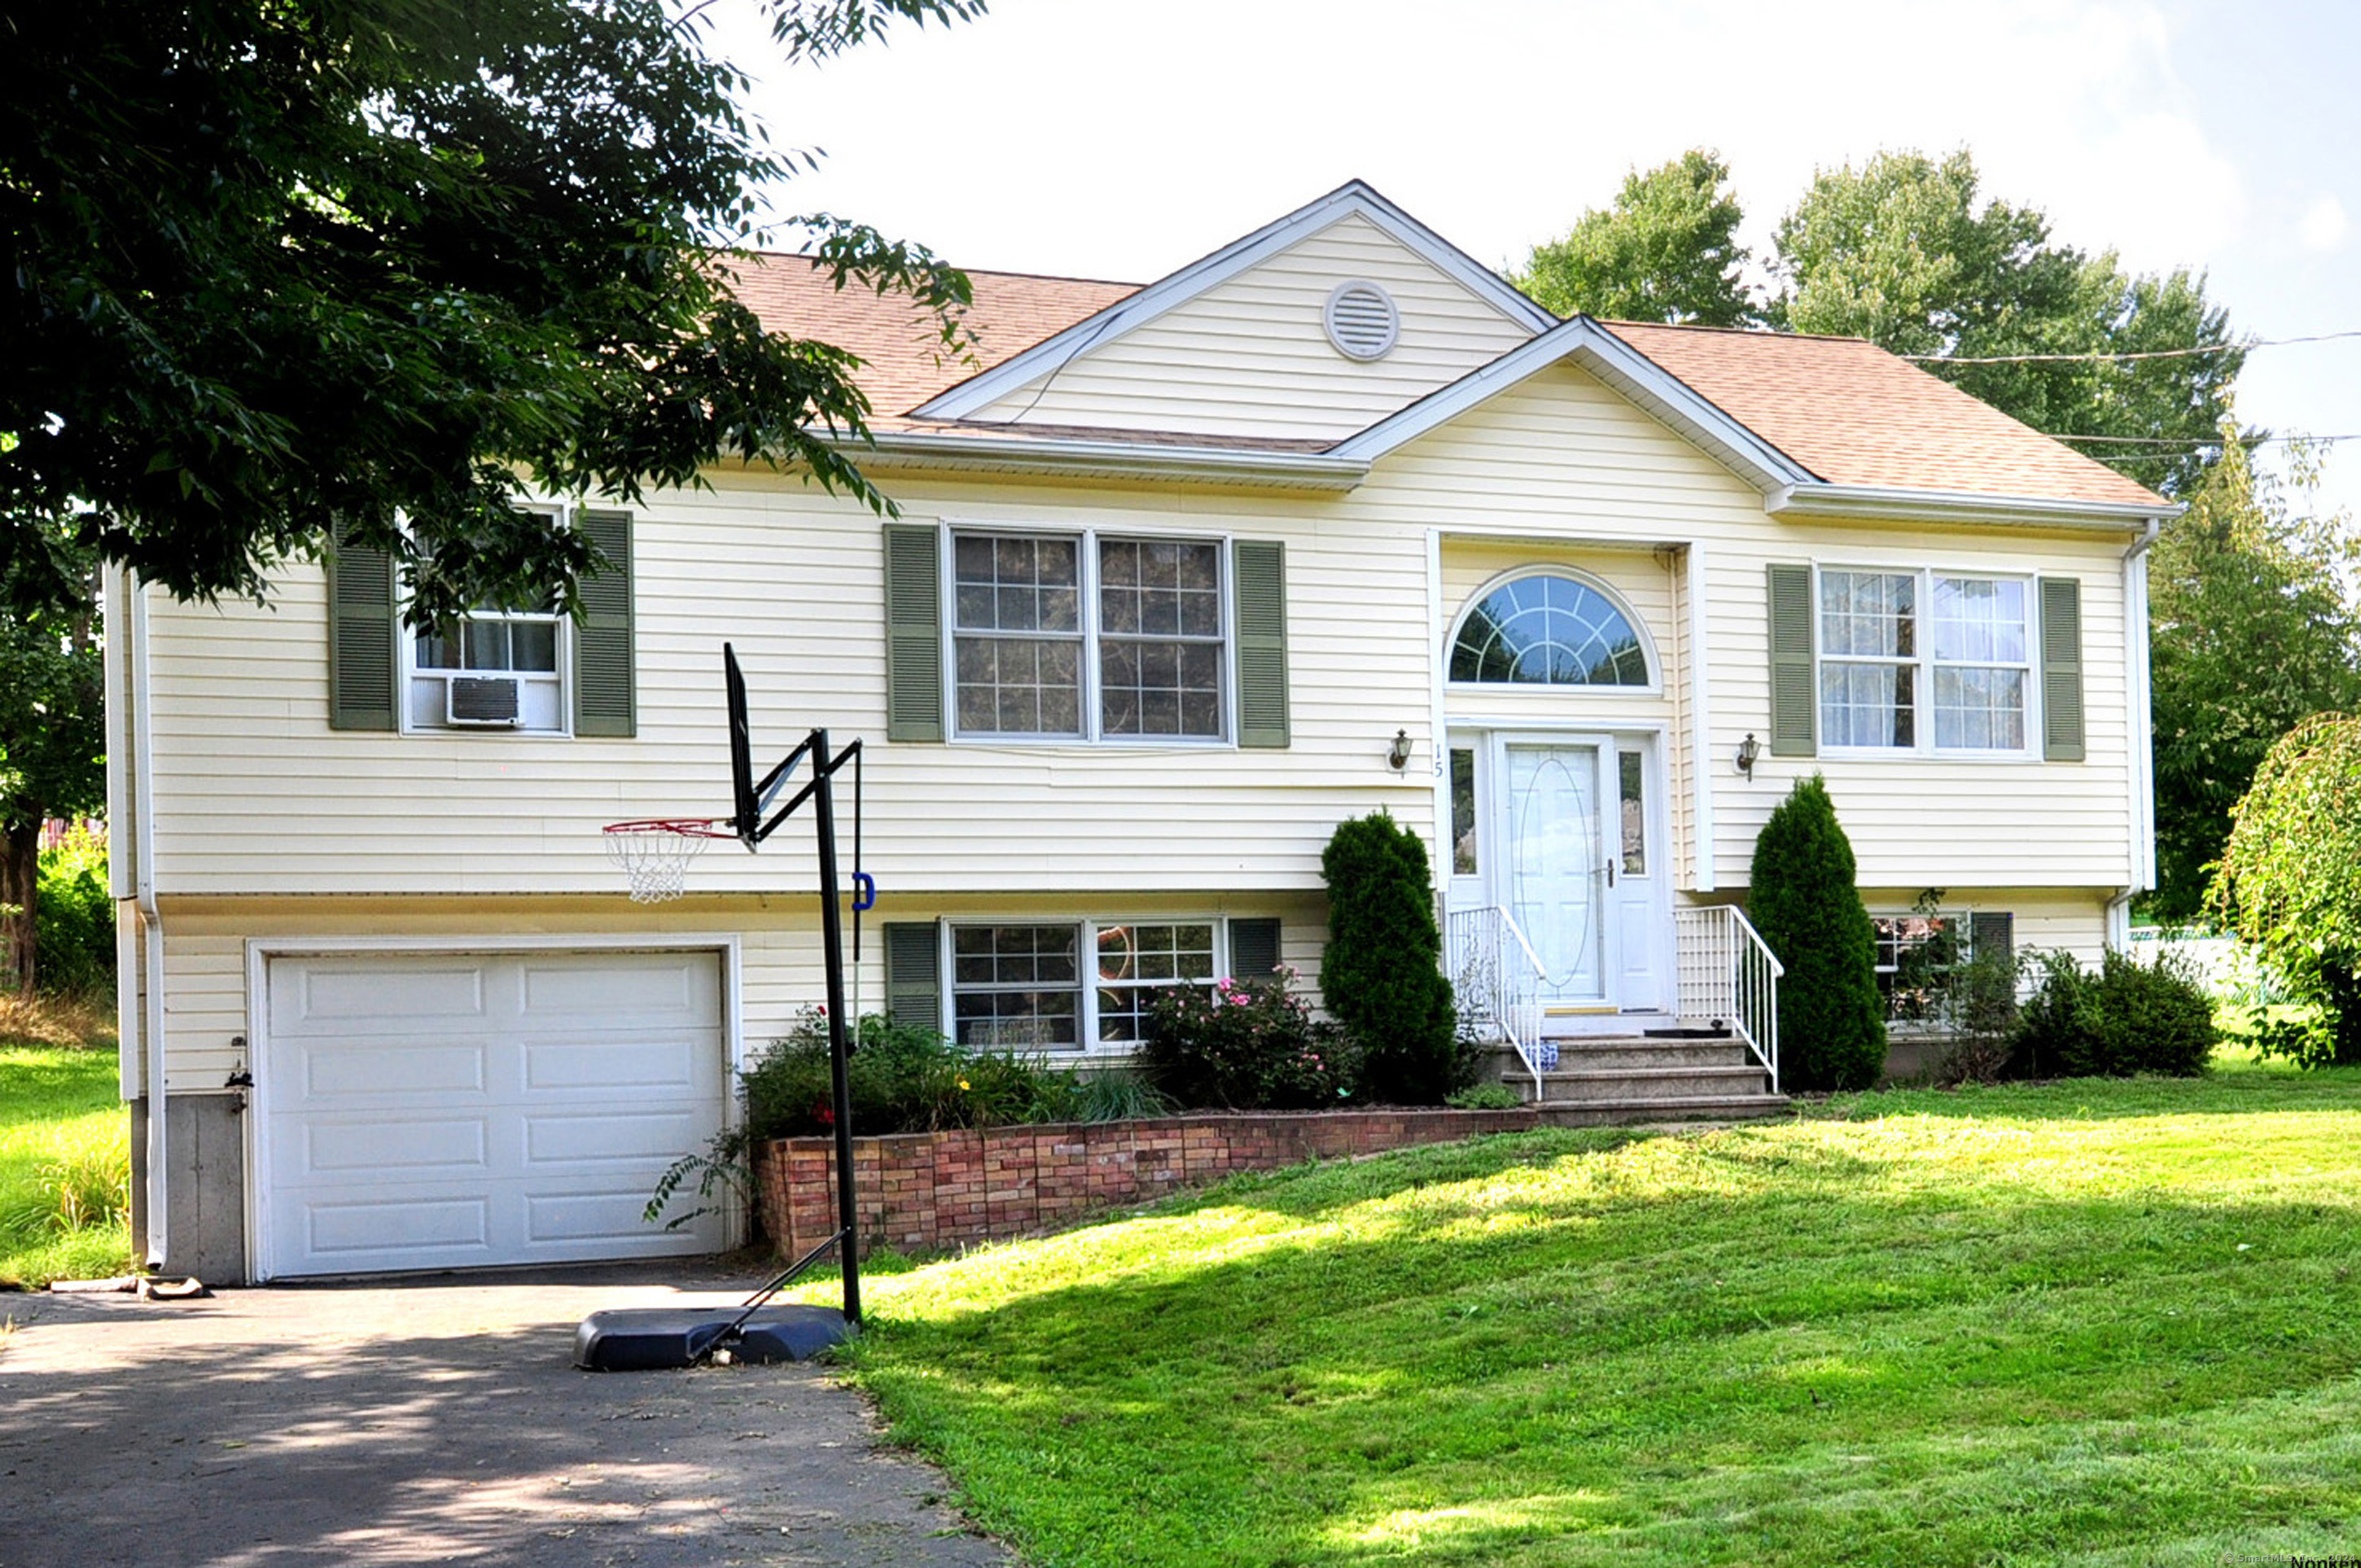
(143, 818)
(2141, 740)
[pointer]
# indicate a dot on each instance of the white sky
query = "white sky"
(1124, 139)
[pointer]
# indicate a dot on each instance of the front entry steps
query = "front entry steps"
(1605, 1079)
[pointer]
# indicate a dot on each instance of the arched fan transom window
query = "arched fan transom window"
(1548, 630)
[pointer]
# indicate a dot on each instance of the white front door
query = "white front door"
(1567, 833)
(1556, 866)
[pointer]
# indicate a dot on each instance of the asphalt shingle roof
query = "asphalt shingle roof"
(1843, 408)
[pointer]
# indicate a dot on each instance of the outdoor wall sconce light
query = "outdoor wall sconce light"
(1397, 754)
(1747, 751)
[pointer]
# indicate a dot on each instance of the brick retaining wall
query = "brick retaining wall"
(924, 1193)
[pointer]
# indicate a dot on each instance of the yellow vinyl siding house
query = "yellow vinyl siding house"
(1179, 574)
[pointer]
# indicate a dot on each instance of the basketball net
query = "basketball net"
(654, 855)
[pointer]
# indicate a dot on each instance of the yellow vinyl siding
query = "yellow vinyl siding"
(256, 795)
(1564, 454)
(778, 938)
(268, 822)
(1251, 357)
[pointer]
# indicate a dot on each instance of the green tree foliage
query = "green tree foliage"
(75, 917)
(1802, 899)
(285, 265)
(1383, 973)
(1666, 251)
(2252, 630)
(2290, 887)
(52, 739)
(1899, 251)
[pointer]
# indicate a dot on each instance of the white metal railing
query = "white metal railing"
(1729, 975)
(1497, 978)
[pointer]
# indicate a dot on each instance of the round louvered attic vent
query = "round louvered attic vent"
(1361, 320)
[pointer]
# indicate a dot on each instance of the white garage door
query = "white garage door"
(456, 1110)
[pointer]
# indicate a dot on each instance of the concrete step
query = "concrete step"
(1587, 1086)
(1630, 1112)
(1605, 1053)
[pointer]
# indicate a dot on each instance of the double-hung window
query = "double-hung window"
(492, 668)
(1925, 661)
(1088, 637)
(1026, 987)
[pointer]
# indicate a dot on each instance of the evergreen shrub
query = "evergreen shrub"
(1803, 901)
(1383, 973)
(2126, 1017)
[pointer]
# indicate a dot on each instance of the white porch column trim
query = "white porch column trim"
(1701, 839)
(1438, 735)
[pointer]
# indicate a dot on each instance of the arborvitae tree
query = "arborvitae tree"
(1383, 973)
(1803, 901)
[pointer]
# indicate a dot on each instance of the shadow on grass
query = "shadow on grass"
(1798, 1343)
(2237, 1086)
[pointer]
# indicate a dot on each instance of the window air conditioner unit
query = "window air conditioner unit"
(489, 701)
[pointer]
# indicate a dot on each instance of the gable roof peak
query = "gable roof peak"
(1356, 197)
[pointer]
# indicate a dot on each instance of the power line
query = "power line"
(2146, 354)
(2196, 442)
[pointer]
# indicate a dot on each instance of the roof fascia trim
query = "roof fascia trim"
(1019, 454)
(1872, 502)
(1351, 199)
(1623, 368)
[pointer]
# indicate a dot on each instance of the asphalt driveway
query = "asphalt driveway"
(435, 1421)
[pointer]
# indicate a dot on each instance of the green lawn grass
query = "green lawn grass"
(63, 1124)
(2080, 1323)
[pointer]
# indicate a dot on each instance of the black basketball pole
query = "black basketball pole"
(831, 926)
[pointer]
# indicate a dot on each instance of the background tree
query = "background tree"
(1899, 252)
(2290, 887)
(2253, 630)
(1666, 251)
(52, 747)
(280, 267)
(1381, 974)
(1801, 897)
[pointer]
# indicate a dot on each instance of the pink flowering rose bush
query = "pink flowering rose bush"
(1248, 1044)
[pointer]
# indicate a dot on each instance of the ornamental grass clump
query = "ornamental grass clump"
(1802, 899)
(1247, 1046)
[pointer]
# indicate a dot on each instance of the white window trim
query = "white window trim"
(1087, 536)
(406, 641)
(1924, 664)
(1086, 932)
(1962, 924)
(1591, 580)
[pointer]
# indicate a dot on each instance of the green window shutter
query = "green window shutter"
(2061, 669)
(603, 672)
(914, 633)
(1253, 948)
(1260, 565)
(1992, 931)
(913, 987)
(361, 631)
(1794, 691)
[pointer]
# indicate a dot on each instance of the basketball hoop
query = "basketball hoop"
(655, 854)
